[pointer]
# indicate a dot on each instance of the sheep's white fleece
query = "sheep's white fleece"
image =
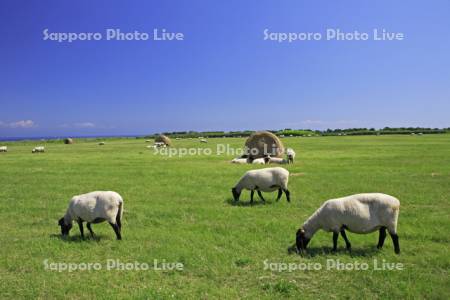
(267, 180)
(360, 213)
(290, 152)
(95, 205)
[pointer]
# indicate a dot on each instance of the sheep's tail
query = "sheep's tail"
(119, 214)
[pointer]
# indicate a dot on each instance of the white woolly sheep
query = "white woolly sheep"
(94, 207)
(101, 143)
(3, 149)
(277, 160)
(290, 153)
(265, 180)
(360, 213)
(38, 149)
(203, 141)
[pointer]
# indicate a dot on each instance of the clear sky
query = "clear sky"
(223, 75)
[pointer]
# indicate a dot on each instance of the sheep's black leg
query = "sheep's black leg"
(119, 223)
(251, 196)
(80, 224)
(88, 225)
(260, 196)
(280, 192)
(116, 230)
(287, 195)
(394, 237)
(382, 237)
(335, 238)
(347, 242)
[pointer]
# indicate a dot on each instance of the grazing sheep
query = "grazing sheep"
(239, 160)
(38, 149)
(277, 160)
(290, 153)
(360, 213)
(94, 207)
(265, 180)
(101, 143)
(203, 141)
(3, 149)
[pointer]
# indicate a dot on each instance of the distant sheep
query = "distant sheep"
(38, 149)
(101, 143)
(290, 153)
(277, 160)
(260, 161)
(203, 141)
(239, 161)
(94, 207)
(360, 213)
(265, 180)
(160, 145)
(3, 149)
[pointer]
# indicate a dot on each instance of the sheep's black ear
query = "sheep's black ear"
(61, 221)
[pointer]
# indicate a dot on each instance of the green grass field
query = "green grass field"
(180, 210)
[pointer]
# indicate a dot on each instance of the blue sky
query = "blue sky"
(223, 75)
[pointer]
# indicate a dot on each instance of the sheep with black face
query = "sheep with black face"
(360, 213)
(94, 207)
(263, 180)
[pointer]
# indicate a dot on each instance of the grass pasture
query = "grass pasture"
(179, 209)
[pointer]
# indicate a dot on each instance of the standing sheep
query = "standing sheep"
(265, 180)
(290, 153)
(360, 213)
(3, 149)
(94, 207)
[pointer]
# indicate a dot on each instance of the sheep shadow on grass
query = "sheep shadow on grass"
(247, 203)
(77, 238)
(328, 251)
